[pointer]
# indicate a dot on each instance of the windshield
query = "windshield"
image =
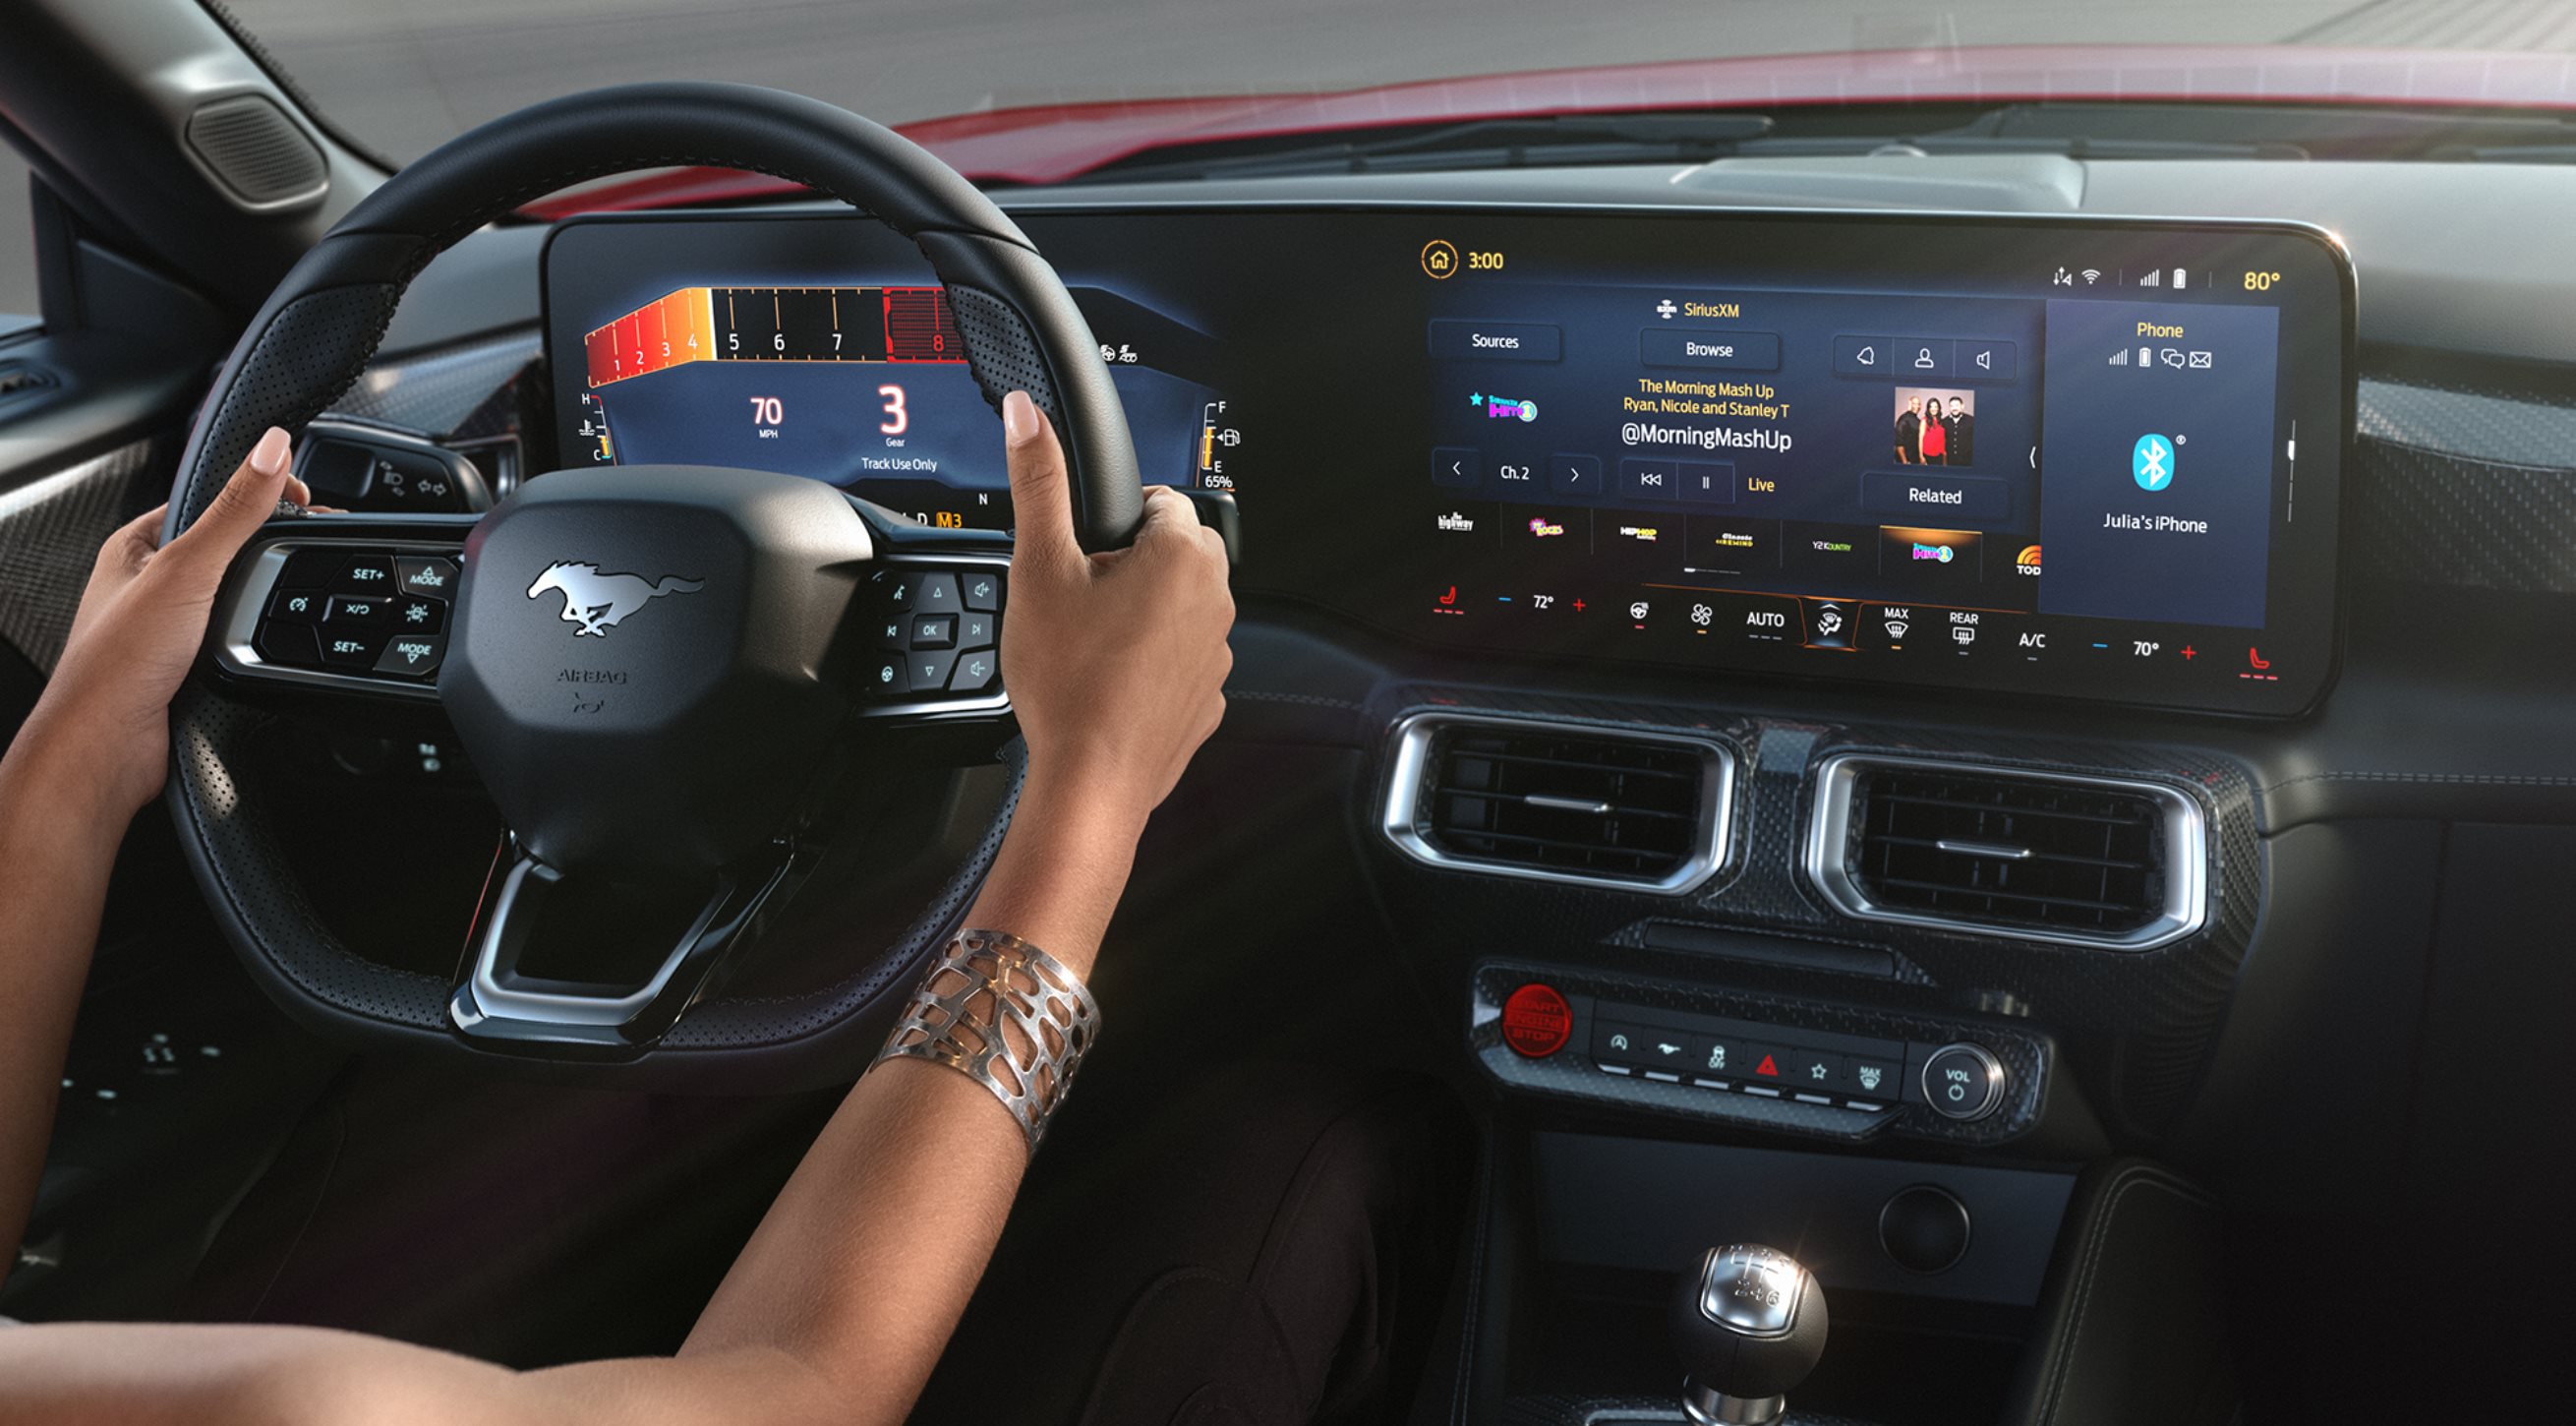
(402, 76)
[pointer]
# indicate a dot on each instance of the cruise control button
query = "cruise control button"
(422, 575)
(975, 670)
(937, 594)
(888, 677)
(355, 647)
(289, 645)
(1617, 1041)
(934, 631)
(975, 631)
(348, 609)
(983, 591)
(296, 606)
(929, 670)
(416, 655)
(367, 573)
(414, 614)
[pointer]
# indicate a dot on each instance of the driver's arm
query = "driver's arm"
(93, 752)
(839, 1306)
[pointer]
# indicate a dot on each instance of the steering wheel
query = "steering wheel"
(650, 665)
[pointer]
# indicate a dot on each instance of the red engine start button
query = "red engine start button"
(1535, 1021)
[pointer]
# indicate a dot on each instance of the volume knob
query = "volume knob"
(1963, 1082)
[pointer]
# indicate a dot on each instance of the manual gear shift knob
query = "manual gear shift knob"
(1749, 1326)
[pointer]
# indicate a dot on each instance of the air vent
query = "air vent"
(1558, 802)
(2091, 861)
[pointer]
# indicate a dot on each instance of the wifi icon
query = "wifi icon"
(2092, 275)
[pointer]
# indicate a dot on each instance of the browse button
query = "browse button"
(1936, 498)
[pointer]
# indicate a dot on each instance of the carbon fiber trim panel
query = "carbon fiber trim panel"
(1570, 1074)
(2507, 428)
(50, 531)
(2134, 1027)
(2426, 517)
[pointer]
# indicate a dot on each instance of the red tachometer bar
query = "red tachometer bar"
(856, 324)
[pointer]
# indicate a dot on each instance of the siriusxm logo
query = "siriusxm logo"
(2152, 462)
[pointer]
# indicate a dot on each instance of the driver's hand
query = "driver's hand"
(106, 710)
(1113, 661)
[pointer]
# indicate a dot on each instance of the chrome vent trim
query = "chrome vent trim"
(2185, 908)
(1403, 814)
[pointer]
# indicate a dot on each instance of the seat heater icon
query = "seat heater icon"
(2152, 462)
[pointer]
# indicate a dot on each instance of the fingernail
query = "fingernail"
(269, 456)
(1019, 418)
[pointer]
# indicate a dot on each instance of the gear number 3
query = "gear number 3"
(897, 419)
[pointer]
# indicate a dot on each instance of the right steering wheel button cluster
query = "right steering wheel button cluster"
(937, 632)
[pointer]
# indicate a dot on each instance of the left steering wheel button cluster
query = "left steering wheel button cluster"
(358, 611)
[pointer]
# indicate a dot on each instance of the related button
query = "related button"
(1457, 467)
(975, 671)
(1706, 482)
(1454, 339)
(419, 614)
(981, 589)
(1921, 496)
(929, 669)
(1982, 361)
(934, 631)
(421, 574)
(1574, 475)
(357, 609)
(1536, 1021)
(412, 655)
(889, 676)
(355, 647)
(1864, 356)
(366, 574)
(1650, 479)
(1923, 356)
(291, 645)
(1718, 348)
(976, 631)
(936, 594)
(296, 606)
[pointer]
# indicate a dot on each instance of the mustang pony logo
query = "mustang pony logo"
(598, 601)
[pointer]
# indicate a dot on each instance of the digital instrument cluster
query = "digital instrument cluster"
(2070, 457)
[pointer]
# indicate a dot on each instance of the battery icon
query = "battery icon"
(2178, 275)
(2146, 358)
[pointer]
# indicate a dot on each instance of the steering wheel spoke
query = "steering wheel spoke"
(525, 984)
(352, 604)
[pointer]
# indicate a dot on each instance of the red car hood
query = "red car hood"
(1049, 143)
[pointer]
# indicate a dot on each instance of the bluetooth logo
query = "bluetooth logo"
(2152, 463)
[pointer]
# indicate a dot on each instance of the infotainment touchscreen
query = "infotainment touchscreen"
(2064, 457)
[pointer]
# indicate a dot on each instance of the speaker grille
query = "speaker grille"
(257, 152)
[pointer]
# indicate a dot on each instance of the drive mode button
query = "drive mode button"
(1936, 497)
(1726, 350)
(1453, 339)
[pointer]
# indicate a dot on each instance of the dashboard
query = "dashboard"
(2084, 458)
